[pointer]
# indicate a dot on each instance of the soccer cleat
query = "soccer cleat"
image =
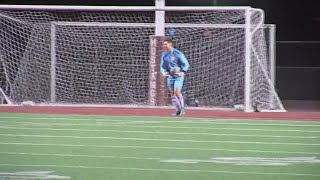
(182, 111)
(177, 113)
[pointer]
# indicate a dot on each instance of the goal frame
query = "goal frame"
(160, 10)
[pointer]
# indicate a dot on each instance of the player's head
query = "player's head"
(168, 45)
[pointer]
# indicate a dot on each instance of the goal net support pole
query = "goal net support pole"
(158, 93)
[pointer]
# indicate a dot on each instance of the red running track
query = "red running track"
(191, 113)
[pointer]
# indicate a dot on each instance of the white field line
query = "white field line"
(159, 147)
(249, 160)
(198, 121)
(81, 155)
(106, 118)
(17, 177)
(257, 120)
(233, 160)
(158, 140)
(31, 175)
(95, 124)
(159, 132)
(162, 170)
(93, 117)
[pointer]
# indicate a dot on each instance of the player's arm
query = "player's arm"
(162, 70)
(184, 62)
(184, 65)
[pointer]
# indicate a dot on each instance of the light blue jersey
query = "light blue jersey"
(173, 59)
(170, 60)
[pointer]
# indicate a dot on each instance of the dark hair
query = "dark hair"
(169, 40)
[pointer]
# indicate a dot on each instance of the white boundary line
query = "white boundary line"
(185, 120)
(159, 132)
(31, 175)
(301, 160)
(227, 122)
(81, 155)
(160, 140)
(161, 170)
(168, 127)
(57, 116)
(160, 147)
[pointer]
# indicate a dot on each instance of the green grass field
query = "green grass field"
(154, 148)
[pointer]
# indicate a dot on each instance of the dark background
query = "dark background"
(298, 37)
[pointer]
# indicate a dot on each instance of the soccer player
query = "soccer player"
(174, 65)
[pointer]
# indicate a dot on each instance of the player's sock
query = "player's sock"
(176, 103)
(181, 100)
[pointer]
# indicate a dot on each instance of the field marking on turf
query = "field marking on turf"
(31, 175)
(125, 118)
(162, 140)
(257, 120)
(206, 121)
(210, 123)
(249, 160)
(94, 117)
(218, 160)
(81, 155)
(161, 132)
(161, 169)
(160, 147)
(213, 122)
(168, 127)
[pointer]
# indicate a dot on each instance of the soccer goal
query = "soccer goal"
(104, 55)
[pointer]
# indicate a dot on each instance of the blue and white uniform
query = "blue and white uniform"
(170, 60)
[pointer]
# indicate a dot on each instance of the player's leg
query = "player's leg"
(174, 99)
(177, 92)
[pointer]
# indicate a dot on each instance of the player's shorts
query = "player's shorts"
(175, 82)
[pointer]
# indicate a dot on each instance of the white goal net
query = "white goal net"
(101, 56)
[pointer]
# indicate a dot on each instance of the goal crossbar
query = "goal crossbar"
(121, 8)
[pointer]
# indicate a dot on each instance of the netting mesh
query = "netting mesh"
(263, 95)
(106, 65)
(109, 63)
(213, 55)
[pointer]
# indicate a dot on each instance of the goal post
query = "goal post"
(247, 87)
(53, 63)
(104, 55)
